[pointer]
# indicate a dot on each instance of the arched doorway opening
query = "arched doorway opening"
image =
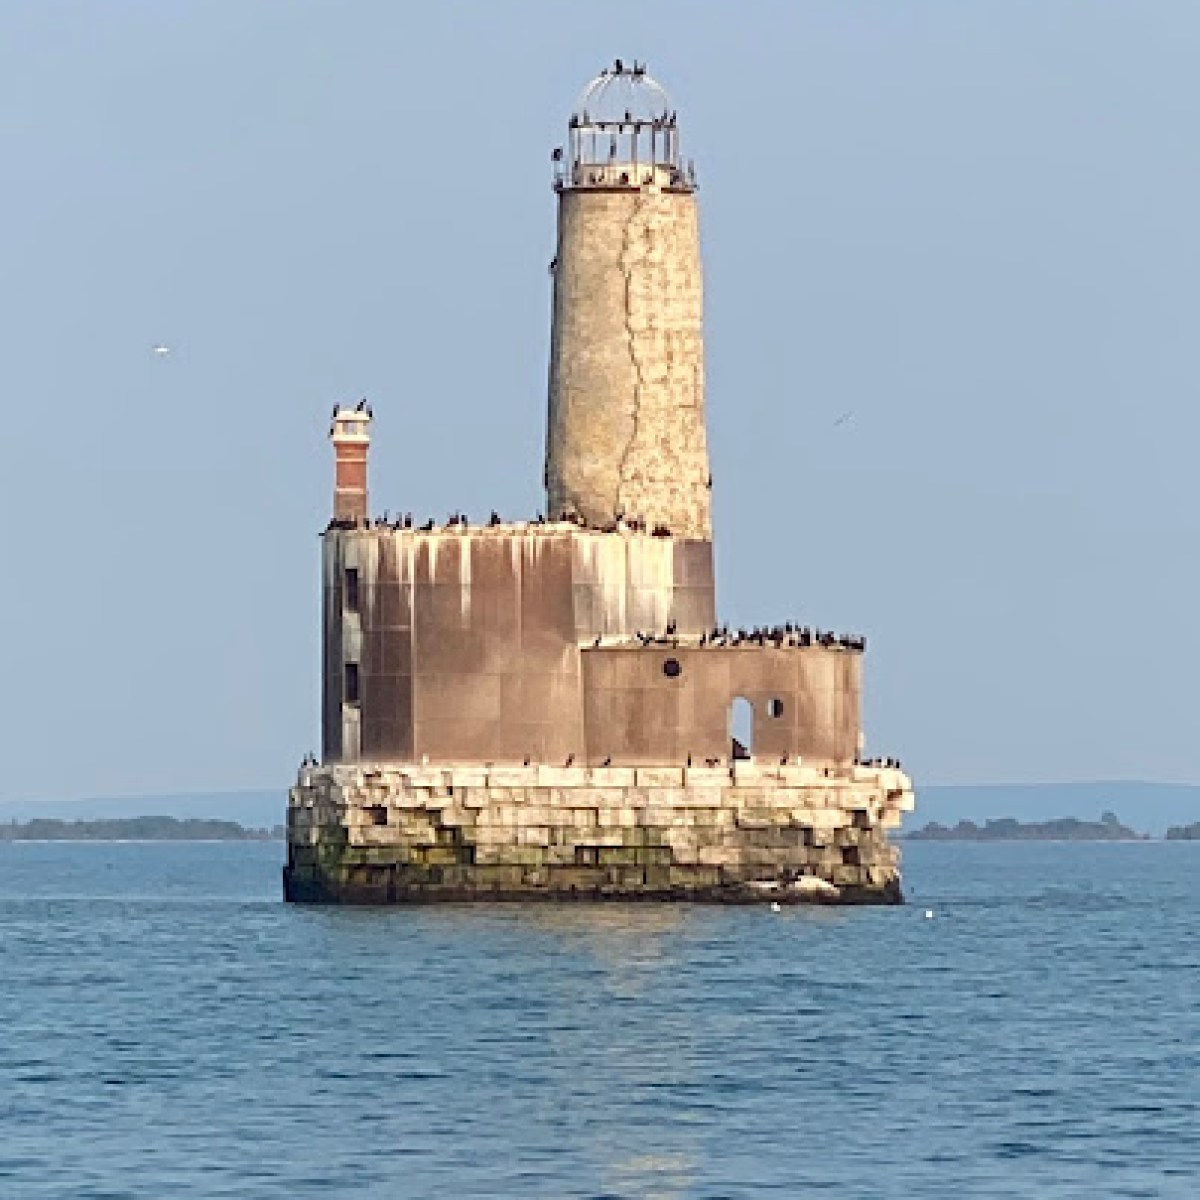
(741, 728)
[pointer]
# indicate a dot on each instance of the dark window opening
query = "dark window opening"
(672, 668)
(775, 707)
(351, 589)
(351, 696)
(378, 815)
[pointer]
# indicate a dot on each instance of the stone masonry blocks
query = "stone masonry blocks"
(401, 834)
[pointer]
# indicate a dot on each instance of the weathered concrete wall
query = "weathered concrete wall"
(390, 835)
(806, 702)
(626, 432)
(465, 643)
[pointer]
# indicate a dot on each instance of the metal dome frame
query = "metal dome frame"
(623, 133)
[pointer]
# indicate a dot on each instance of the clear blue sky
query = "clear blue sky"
(974, 225)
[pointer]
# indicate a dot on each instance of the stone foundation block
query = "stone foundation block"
(660, 777)
(391, 834)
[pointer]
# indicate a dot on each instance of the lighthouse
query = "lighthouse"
(626, 424)
(544, 708)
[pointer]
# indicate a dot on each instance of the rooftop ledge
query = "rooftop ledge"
(801, 638)
(461, 527)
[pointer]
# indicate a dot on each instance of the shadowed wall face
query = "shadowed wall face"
(465, 646)
(479, 646)
(663, 705)
(626, 432)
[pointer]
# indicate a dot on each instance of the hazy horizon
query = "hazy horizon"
(970, 226)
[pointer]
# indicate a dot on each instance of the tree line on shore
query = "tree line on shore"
(208, 829)
(134, 829)
(1060, 829)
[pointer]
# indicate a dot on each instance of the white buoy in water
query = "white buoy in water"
(776, 906)
(929, 914)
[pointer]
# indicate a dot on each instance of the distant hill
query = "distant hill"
(1152, 807)
(253, 809)
(134, 829)
(1005, 829)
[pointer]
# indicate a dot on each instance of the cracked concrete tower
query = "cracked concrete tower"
(626, 432)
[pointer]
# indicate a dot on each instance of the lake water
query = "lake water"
(168, 1028)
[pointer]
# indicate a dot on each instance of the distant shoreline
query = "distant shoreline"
(1060, 829)
(152, 828)
(120, 841)
(134, 829)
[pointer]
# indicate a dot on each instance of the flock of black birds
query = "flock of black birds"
(459, 520)
(310, 760)
(779, 636)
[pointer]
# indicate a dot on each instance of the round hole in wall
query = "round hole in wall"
(775, 707)
(672, 668)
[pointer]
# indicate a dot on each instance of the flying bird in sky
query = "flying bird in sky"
(161, 351)
(844, 419)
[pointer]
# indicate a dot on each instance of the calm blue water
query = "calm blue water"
(168, 1028)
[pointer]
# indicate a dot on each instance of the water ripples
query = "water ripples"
(170, 1028)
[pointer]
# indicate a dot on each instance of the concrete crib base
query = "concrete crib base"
(299, 890)
(749, 833)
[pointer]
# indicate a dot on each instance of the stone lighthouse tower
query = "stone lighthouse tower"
(626, 430)
(544, 709)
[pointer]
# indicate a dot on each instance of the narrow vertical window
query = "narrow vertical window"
(351, 589)
(351, 683)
